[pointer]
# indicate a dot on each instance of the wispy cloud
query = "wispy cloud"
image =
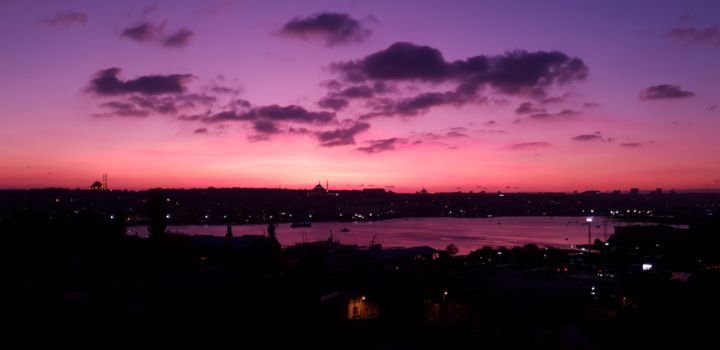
(147, 31)
(523, 146)
(665, 92)
(65, 19)
(383, 145)
(594, 137)
(706, 36)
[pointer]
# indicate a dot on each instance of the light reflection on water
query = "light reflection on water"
(466, 234)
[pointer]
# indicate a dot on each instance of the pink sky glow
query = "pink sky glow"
(255, 94)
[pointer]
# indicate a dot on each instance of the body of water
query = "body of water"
(466, 234)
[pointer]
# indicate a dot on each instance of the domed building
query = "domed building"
(100, 186)
(318, 190)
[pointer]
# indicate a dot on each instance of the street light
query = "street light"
(443, 309)
(589, 221)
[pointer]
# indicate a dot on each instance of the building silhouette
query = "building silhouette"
(319, 190)
(100, 186)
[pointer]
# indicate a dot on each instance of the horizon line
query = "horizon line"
(641, 190)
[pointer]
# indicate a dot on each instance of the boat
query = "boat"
(301, 224)
(344, 229)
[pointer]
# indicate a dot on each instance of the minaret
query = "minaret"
(104, 182)
(327, 185)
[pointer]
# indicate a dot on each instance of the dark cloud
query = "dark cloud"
(706, 36)
(266, 127)
(290, 113)
(451, 133)
(360, 91)
(65, 19)
(381, 87)
(376, 146)
(220, 89)
(149, 32)
(591, 105)
(564, 114)
(220, 117)
(712, 108)
(522, 72)
(342, 136)
(530, 145)
(596, 136)
(194, 117)
(144, 105)
(271, 120)
(400, 61)
(492, 131)
(664, 92)
(339, 98)
(200, 131)
(299, 131)
(333, 28)
(259, 137)
(527, 108)
(489, 123)
(457, 132)
(172, 103)
(332, 84)
(106, 82)
(122, 109)
(239, 104)
(431, 135)
(159, 105)
(336, 103)
(555, 99)
(192, 100)
(631, 144)
(514, 72)
(144, 31)
(413, 106)
(499, 101)
(178, 39)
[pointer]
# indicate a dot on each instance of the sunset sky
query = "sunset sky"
(444, 95)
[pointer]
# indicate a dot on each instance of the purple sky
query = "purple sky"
(469, 95)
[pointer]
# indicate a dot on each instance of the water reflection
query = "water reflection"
(466, 234)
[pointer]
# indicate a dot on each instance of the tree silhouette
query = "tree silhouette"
(451, 249)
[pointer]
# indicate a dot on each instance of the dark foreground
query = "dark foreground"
(86, 281)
